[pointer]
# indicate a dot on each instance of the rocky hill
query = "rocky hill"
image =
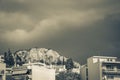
(43, 55)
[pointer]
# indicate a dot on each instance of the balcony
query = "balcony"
(19, 70)
(111, 71)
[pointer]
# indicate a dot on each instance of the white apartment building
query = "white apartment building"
(42, 73)
(33, 71)
(101, 68)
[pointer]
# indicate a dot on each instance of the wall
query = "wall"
(83, 73)
(42, 73)
(2, 71)
(93, 70)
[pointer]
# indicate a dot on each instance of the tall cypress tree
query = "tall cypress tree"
(5, 58)
(9, 60)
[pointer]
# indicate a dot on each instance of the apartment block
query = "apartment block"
(33, 71)
(101, 68)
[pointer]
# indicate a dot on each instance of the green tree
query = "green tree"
(69, 64)
(19, 61)
(68, 76)
(8, 58)
(11, 59)
(58, 62)
(5, 57)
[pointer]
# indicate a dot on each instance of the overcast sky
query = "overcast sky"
(75, 28)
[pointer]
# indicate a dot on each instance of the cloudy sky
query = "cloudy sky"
(74, 28)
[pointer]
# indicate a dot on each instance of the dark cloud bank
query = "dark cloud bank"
(77, 29)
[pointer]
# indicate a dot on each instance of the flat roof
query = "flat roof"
(116, 62)
(85, 65)
(104, 57)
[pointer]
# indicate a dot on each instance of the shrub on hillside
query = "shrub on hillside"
(68, 76)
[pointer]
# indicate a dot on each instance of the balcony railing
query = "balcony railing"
(111, 71)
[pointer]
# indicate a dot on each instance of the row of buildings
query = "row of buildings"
(32, 71)
(96, 68)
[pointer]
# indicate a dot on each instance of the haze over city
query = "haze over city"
(74, 28)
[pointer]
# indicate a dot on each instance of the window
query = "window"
(86, 71)
(110, 77)
(109, 67)
(110, 60)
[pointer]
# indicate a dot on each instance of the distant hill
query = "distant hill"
(43, 55)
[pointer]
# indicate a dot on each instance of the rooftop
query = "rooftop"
(104, 57)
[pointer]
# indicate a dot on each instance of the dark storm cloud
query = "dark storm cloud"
(77, 29)
(101, 38)
(12, 6)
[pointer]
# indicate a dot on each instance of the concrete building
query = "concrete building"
(42, 73)
(19, 73)
(58, 68)
(84, 72)
(2, 71)
(101, 68)
(33, 71)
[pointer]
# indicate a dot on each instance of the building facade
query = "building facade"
(101, 68)
(2, 71)
(42, 73)
(84, 72)
(33, 71)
